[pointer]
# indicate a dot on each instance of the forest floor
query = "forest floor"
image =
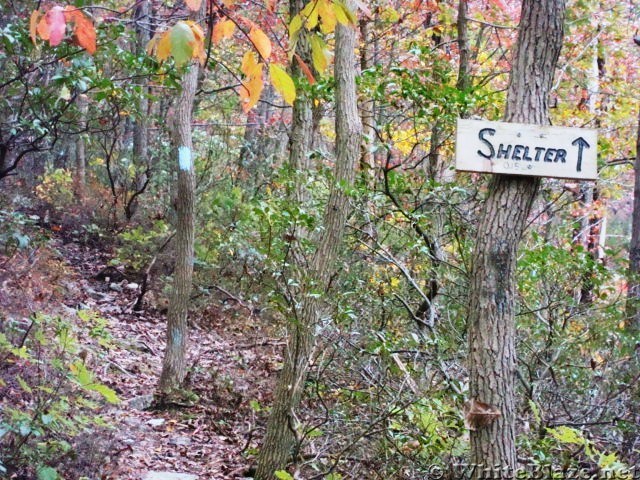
(233, 363)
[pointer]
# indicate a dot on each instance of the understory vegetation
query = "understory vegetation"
(89, 239)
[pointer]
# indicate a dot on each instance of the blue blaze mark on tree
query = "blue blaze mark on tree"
(184, 158)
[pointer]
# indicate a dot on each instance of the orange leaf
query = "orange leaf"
(250, 92)
(223, 30)
(261, 42)
(84, 33)
(198, 47)
(33, 25)
(252, 85)
(305, 69)
(43, 28)
(193, 5)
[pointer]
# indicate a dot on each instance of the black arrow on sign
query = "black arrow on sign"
(582, 144)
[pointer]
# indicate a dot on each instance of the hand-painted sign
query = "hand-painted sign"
(521, 149)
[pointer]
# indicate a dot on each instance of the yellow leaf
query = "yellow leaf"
(251, 90)
(152, 45)
(319, 53)
(283, 83)
(223, 30)
(250, 65)
(163, 49)
(328, 16)
(194, 5)
(294, 26)
(344, 15)
(261, 42)
(310, 14)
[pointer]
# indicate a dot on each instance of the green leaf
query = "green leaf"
(314, 433)
(24, 385)
(535, 410)
(22, 240)
(606, 461)
(567, 435)
(282, 475)
(182, 42)
(47, 473)
(282, 83)
(81, 374)
(46, 419)
(109, 395)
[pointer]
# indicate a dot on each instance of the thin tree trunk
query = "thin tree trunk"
(465, 81)
(368, 106)
(174, 365)
(491, 323)
(80, 154)
(141, 123)
(280, 436)
(589, 227)
(633, 279)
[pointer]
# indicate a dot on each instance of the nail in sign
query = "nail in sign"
(522, 149)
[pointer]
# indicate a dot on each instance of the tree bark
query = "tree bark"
(633, 279)
(280, 436)
(174, 364)
(80, 154)
(142, 18)
(491, 323)
(368, 105)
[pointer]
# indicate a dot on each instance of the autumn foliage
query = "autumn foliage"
(52, 27)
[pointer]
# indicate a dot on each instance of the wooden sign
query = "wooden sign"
(521, 149)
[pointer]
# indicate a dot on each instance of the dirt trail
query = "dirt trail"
(232, 372)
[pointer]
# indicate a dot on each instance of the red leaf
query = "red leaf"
(56, 23)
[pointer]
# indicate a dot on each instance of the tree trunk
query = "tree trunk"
(491, 323)
(368, 106)
(80, 154)
(280, 436)
(174, 365)
(464, 75)
(142, 17)
(633, 279)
